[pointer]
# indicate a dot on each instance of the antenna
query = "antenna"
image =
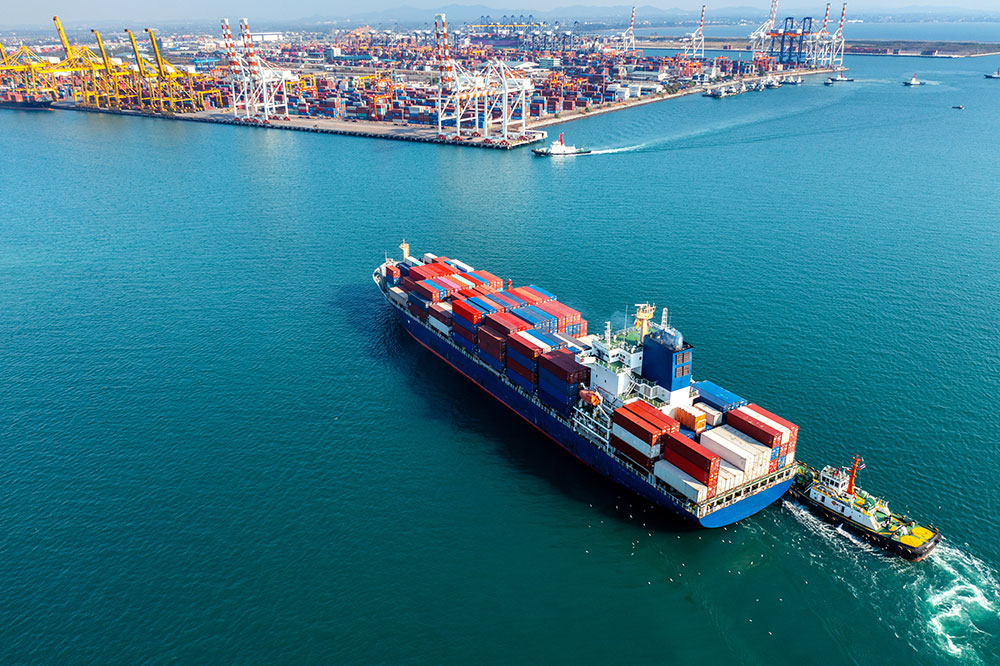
(665, 318)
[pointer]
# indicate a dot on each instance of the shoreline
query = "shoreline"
(423, 133)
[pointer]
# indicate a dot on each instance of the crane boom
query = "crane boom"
(138, 58)
(156, 52)
(62, 36)
(3, 55)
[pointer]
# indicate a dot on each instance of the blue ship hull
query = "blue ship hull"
(566, 437)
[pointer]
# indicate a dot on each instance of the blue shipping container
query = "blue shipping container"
(543, 292)
(521, 381)
(718, 397)
(525, 362)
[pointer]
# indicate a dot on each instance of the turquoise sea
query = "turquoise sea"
(219, 447)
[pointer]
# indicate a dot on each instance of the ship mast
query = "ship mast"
(854, 473)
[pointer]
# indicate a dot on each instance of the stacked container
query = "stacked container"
(492, 347)
(559, 377)
(691, 418)
(693, 459)
(768, 429)
(742, 451)
(718, 397)
(637, 430)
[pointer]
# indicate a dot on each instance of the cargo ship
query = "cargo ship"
(12, 100)
(831, 494)
(624, 403)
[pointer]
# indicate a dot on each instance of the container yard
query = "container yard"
(490, 85)
(624, 402)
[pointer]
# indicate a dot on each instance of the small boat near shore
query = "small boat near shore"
(560, 149)
(994, 75)
(913, 82)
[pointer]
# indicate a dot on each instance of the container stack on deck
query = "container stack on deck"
(715, 444)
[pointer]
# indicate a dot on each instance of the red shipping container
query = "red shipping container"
(492, 341)
(631, 453)
(490, 279)
(560, 315)
(408, 284)
(428, 292)
(467, 293)
(793, 429)
(496, 304)
(772, 466)
(522, 371)
(417, 312)
(392, 271)
(462, 332)
(689, 468)
(507, 323)
(439, 312)
(467, 312)
(526, 348)
(525, 295)
(653, 415)
(562, 363)
(694, 452)
(756, 428)
(640, 427)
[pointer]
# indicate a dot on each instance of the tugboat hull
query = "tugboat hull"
(882, 541)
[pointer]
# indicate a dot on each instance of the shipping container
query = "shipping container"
(646, 432)
(643, 461)
(649, 450)
(653, 415)
(764, 414)
(749, 424)
(718, 397)
(692, 418)
(563, 364)
(713, 416)
(683, 483)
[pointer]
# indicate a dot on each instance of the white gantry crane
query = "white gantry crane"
(628, 38)
(837, 48)
(694, 46)
(489, 103)
(760, 39)
(258, 89)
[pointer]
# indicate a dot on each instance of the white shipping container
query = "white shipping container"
(786, 434)
(464, 267)
(713, 417)
(435, 324)
(761, 453)
(735, 472)
(650, 451)
(737, 456)
(681, 481)
(429, 258)
(726, 481)
(538, 341)
(397, 295)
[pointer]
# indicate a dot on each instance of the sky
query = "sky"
(71, 11)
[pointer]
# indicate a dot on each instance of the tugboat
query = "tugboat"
(995, 75)
(830, 493)
(841, 78)
(829, 81)
(559, 149)
(913, 82)
(793, 81)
